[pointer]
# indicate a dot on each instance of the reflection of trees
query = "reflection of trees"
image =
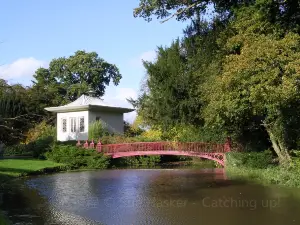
(136, 196)
(192, 188)
(24, 205)
(57, 198)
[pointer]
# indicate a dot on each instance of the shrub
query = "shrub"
(97, 161)
(40, 130)
(40, 139)
(152, 134)
(69, 142)
(97, 130)
(19, 149)
(257, 160)
(76, 157)
(137, 161)
(188, 133)
(131, 130)
(41, 146)
(149, 160)
(115, 139)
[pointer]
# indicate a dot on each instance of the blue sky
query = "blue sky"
(33, 32)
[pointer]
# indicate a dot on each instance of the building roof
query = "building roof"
(85, 102)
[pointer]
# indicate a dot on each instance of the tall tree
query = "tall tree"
(172, 94)
(13, 113)
(284, 13)
(67, 78)
(259, 81)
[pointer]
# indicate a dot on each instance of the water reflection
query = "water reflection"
(132, 196)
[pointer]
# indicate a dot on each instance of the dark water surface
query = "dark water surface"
(149, 196)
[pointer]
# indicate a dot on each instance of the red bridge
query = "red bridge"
(215, 152)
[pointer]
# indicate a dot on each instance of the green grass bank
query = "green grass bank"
(262, 168)
(3, 220)
(13, 168)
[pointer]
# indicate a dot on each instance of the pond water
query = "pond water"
(149, 196)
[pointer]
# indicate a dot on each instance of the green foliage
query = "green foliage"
(188, 133)
(284, 176)
(38, 141)
(69, 142)
(131, 130)
(115, 139)
(36, 149)
(284, 14)
(41, 130)
(14, 117)
(12, 168)
(170, 96)
(255, 160)
(41, 146)
(67, 78)
(181, 10)
(97, 130)
(137, 161)
(258, 85)
(3, 219)
(237, 73)
(18, 149)
(76, 157)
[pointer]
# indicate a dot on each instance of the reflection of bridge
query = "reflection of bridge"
(215, 152)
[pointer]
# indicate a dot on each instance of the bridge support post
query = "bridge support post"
(99, 146)
(92, 144)
(86, 144)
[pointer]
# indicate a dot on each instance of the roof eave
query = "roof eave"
(66, 108)
(62, 109)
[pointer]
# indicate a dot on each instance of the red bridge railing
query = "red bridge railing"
(197, 147)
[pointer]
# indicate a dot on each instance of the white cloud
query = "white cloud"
(146, 56)
(21, 69)
(117, 96)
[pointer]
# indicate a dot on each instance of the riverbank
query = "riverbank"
(13, 168)
(3, 220)
(289, 177)
(260, 167)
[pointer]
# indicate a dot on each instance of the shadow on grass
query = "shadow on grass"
(14, 170)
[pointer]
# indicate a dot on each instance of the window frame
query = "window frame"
(62, 125)
(73, 122)
(79, 124)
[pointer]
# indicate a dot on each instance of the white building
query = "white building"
(74, 118)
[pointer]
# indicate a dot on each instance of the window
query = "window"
(64, 125)
(81, 124)
(73, 124)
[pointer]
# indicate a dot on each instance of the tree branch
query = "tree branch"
(20, 116)
(181, 11)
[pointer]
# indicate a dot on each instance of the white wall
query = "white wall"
(114, 120)
(61, 136)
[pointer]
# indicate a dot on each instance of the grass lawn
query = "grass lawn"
(11, 168)
(3, 220)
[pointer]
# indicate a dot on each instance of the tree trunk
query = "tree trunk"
(1, 150)
(279, 148)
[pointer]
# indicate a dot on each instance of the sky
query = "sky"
(33, 32)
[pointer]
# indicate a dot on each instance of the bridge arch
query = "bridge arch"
(217, 157)
(211, 151)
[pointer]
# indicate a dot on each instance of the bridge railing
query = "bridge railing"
(159, 146)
